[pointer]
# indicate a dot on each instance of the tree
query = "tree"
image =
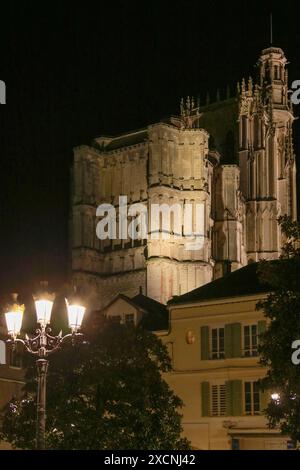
(282, 308)
(106, 394)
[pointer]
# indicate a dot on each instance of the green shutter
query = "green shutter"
(205, 399)
(234, 398)
(204, 343)
(233, 339)
(228, 341)
(264, 397)
(236, 340)
(261, 328)
(228, 397)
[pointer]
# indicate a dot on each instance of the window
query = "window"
(218, 343)
(15, 359)
(218, 400)
(252, 401)
(250, 340)
(235, 444)
(277, 72)
(129, 319)
(115, 318)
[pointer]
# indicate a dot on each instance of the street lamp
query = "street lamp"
(42, 345)
(275, 397)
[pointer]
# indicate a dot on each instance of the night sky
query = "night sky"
(75, 72)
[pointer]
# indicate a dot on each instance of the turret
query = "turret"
(274, 76)
(266, 156)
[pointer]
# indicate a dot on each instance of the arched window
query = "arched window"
(2, 352)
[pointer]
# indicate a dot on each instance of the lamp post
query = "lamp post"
(42, 345)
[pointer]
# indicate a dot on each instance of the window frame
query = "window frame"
(252, 352)
(252, 412)
(121, 318)
(129, 322)
(221, 413)
(211, 352)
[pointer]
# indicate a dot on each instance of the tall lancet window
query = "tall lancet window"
(244, 132)
(256, 132)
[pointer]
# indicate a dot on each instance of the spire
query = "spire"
(189, 113)
(272, 63)
(243, 86)
(181, 106)
(250, 86)
(188, 104)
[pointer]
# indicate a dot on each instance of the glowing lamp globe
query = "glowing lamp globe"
(75, 315)
(43, 309)
(275, 396)
(14, 318)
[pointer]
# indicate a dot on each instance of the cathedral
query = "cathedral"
(234, 156)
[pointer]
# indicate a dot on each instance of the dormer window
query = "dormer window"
(129, 319)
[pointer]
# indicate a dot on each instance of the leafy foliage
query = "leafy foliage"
(106, 394)
(282, 308)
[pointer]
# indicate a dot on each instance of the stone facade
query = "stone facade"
(234, 157)
(266, 156)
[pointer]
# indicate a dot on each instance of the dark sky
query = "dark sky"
(74, 72)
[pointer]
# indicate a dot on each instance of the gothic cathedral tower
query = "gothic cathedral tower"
(234, 158)
(266, 156)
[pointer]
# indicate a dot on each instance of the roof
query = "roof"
(154, 314)
(148, 304)
(156, 317)
(123, 297)
(124, 140)
(243, 281)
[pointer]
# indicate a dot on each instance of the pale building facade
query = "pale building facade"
(212, 339)
(235, 157)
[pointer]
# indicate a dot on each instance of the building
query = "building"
(233, 157)
(212, 338)
(139, 310)
(11, 375)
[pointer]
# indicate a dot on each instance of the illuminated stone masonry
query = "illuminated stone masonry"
(234, 156)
